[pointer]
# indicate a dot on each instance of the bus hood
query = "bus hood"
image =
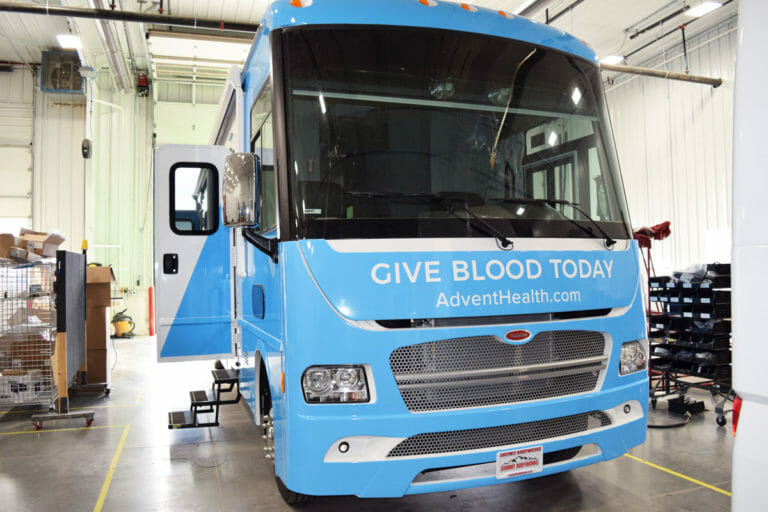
(424, 278)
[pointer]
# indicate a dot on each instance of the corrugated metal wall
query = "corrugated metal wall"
(120, 206)
(674, 141)
(58, 192)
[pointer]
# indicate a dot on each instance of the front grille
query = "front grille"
(484, 370)
(434, 443)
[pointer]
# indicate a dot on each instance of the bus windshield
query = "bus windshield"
(412, 132)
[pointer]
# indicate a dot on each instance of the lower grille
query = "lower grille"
(434, 443)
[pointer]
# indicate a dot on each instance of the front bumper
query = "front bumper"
(316, 466)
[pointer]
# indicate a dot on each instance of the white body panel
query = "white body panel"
(750, 257)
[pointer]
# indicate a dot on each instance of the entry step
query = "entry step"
(225, 376)
(181, 419)
(202, 398)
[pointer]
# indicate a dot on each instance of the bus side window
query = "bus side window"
(194, 209)
(262, 145)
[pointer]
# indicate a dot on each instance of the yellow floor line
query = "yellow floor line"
(679, 475)
(112, 466)
(47, 430)
(218, 476)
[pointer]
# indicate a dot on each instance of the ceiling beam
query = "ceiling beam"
(115, 15)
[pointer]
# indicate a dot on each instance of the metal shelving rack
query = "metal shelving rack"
(27, 333)
(690, 336)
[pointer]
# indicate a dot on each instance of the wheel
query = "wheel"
(107, 391)
(290, 497)
(37, 426)
(88, 422)
(721, 421)
(653, 403)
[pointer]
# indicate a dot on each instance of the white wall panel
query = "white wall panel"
(58, 192)
(674, 142)
(180, 123)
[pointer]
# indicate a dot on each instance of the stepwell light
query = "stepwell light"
(335, 384)
(552, 139)
(633, 358)
(703, 8)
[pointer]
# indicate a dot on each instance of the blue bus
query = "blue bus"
(413, 240)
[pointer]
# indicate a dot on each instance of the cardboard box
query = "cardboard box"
(97, 328)
(98, 366)
(26, 351)
(7, 242)
(42, 244)
(98, 284)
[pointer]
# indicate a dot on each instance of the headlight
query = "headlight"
(633, 358)
(335, 384)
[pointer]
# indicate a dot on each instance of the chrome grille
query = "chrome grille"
(484, 370)
(433, 443)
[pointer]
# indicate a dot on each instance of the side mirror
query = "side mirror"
(240, 190)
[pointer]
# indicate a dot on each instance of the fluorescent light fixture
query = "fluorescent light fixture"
(703, 8)
(612, 59)
(523, 7)
(69, 41)
(552, 139)
(322, 104)
(576, 96)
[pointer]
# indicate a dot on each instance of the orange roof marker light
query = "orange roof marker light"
(301, 3)
(428, 3)
(470, 8)
(506, 14)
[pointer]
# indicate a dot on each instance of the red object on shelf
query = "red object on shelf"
(151, 302)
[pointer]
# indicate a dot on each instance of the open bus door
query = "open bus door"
(192, 255)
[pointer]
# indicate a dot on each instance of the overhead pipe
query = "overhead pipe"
(113, 53)
(534, 8)
(107, 14)
(658, 73)
(565, 10)
(646, 45)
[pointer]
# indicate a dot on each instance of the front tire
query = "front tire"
(290, 497)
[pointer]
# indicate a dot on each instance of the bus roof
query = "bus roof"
(422, 13)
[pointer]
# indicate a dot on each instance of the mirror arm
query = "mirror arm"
(266, 245)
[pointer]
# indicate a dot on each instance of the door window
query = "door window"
(194, 199)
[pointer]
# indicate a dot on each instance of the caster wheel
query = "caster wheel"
(89, 422)
(721, 421)
(653, 403)
(37, 426)
(107, 391)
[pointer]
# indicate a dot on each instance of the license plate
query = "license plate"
(522, 461)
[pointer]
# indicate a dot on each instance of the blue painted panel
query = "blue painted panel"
(202, 323)
(445, 15)
(470, 283)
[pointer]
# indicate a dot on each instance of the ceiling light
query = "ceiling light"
(576, 96)
(552, 139)
(703, 8)
(70, 41)
(523, 7)
(612, 59)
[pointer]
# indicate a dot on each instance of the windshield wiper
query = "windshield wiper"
(609, 242)
(448, 202)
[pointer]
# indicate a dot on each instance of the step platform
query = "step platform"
(203, 403)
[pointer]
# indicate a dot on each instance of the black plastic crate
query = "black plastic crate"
(711, 327)
(723, 269)
(658, 281)
(710, 296)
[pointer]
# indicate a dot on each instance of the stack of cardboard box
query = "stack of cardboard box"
(98, 284)
(29, 245)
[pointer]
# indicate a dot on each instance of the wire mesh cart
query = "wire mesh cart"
(27, 333)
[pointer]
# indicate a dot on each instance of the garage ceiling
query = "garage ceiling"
(631, 28)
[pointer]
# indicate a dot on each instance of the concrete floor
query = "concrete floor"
(129, 460)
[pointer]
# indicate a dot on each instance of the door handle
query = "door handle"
(170, 263)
